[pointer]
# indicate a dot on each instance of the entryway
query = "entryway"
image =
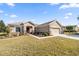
(28, 29)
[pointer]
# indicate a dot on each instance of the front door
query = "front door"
(28, 29)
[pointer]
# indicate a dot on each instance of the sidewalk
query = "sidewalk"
(66, 36)
(61, 35)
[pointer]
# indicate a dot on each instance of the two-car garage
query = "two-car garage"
(55, 28)
(54, 31)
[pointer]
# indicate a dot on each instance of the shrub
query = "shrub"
(2, 37)
(45, 34)
(13, 34)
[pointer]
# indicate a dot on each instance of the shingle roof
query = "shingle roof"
(14, 24)
(30, 23)
(20, 23)
(50, 22)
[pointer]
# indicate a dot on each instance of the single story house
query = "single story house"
(52, 27)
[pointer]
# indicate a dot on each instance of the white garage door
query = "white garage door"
(54, 31)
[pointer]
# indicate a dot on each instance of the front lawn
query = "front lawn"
(27, 45)
(70, 33)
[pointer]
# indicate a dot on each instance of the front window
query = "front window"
(17, 29)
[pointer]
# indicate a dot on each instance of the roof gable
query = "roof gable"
(29, 22)
(55, 24)
(59, 24)
(50, 22)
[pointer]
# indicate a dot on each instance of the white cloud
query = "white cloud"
(11, 21)
(11, 4)
(1, 11)
(68, 15)
(69, 5)
(13, 16)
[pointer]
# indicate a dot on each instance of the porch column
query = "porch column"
(24, 29)
(20, 29)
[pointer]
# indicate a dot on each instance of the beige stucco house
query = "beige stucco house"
(52, 27)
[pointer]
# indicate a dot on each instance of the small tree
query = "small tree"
(7, 30)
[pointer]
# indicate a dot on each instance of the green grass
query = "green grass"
(70, 32)
(2, 33)
(27, 45)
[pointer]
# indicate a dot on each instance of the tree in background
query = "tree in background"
(69, 28)
(78, 18)
(2, 26)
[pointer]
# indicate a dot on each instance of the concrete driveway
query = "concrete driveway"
(74, 35)
(70, 36)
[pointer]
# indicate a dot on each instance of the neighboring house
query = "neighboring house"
(75, 28)
(52, 27)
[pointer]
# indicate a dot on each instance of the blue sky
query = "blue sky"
(65, 13)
